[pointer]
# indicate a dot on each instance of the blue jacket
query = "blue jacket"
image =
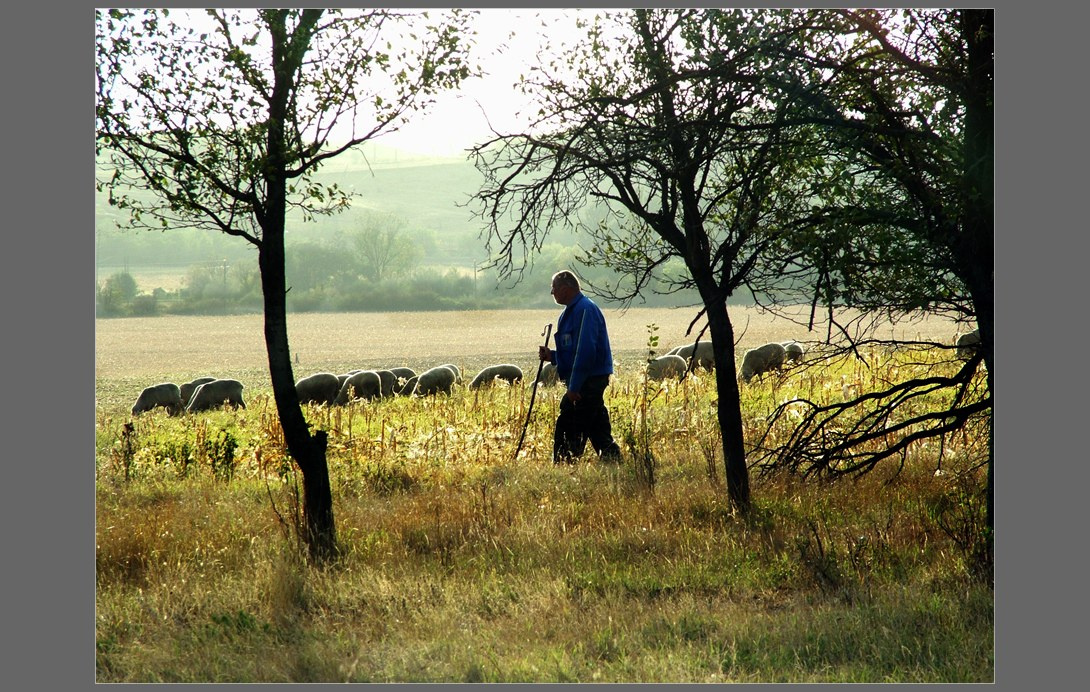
(582, 343)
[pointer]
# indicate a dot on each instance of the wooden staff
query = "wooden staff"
(548, 331)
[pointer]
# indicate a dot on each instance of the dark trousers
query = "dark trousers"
(585, 419)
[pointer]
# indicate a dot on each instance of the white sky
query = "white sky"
(456, 122)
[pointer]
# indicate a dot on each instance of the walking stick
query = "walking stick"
(533, 394)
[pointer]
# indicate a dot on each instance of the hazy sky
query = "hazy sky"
(455, 122)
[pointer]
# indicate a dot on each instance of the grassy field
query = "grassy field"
(463, 564)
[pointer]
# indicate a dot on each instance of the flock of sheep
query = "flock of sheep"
(755, 362)
(207, 393)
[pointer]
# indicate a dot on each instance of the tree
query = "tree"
(116, 291)
(383, 249)
(903, 216)
(658, 118)
(226, 118)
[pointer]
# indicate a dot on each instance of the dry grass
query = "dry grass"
(461, 564)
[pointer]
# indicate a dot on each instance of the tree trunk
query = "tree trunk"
(976, 254)
(730, 405)
(308, 451)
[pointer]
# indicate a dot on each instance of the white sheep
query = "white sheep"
(506, 371)
(670, 366)
(188, 388)
(364, 384)
(794, 351)
(440, 379)
(548, 376)
(215, 394)
(758, 361)
(165, 394)
(968, 343)
(705, 355)
(319, 388)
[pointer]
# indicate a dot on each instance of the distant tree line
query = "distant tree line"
(381, 273)
(378, 266)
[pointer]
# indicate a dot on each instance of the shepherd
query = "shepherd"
(584, 362)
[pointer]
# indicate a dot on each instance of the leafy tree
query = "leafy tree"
(226, 118)
(123, 285)
(117, 291)
(656, 119)
(312, 265)
(383, 249)
(902, 218)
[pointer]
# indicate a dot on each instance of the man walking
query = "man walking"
(584, 363)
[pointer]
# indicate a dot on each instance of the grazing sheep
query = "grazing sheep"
(705, 356)
(408, 386)
(388, 382)
(968, 343)
(165, 394)
(670, 366)
(215, 394)
(365, 384)
(404, 375)
(438, 379)
(454, 368)
(548, 376)
(758, 361)
(794, 351)
(319, 388)
(188, 388)
(344, 376)
(507, 372)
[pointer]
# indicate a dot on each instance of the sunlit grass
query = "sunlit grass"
(461, 563)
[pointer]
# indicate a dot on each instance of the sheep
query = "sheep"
(365, 384)
(165, 394)
(705, 356)
(216, 393)
(457, 372)
(506, 372)
(403, 376)
(438, 379)
(968, 343)
(794, 351)
(670, 366)
(388, 382)
(188, 388)
(408, 386)
(344, 376)
(758, 361)
(319, 388)
(548, 376)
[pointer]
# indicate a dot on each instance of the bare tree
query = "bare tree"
(219, 121)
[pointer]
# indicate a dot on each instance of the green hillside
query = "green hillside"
(428, 197)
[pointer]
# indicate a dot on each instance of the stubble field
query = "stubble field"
(135, 352)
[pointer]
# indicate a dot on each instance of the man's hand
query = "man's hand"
(573, 396)
(544, 354)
